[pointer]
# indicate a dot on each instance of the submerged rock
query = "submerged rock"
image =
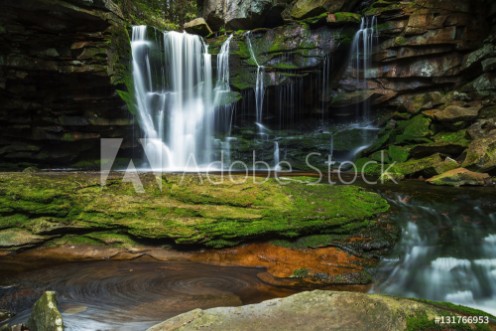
(46, 315)
(322, 310)
(460, 177)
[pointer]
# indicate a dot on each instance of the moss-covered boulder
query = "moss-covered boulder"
(427, 167)
(45, 315)
(481, 154)
(328, 310)
(460, 177)
(191, 210)
(414, 130)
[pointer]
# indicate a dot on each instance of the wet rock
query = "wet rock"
(455, 112)
(481, 154)
(308, 8)
(318, 310)
(45, 315)
(239, 14)
(17, 238)
(489, 64)
(460, 177)
(198, 26)
(416, 129)
(342, 18)
(448, 143)
(426, 167)
(4, 315)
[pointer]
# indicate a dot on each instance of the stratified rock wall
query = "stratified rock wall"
(60, 68)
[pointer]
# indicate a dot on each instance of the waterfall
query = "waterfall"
(174, 98)
(363, 42)
(325, 84)
(150, 102)
(222, 89)
(458, 265)
(277, 167)
(259, 87)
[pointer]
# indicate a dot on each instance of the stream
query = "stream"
(446, 252)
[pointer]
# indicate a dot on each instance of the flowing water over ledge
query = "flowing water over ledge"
(447, 250)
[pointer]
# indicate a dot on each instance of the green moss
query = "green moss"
(459, 138)
(241, 82)
(347, 17)
(189, 210)
(416, 129)
(300, 273)
(464, 310)
(316, 19)
(398, 153)
(45, 315)
(420, 322)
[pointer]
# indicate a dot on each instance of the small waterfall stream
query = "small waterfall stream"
(259, 87)
(447, 251)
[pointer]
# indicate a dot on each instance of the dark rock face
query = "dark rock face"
(59, 76)
(241, 14)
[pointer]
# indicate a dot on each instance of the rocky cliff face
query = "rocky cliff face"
(435, 77)
(433, 84)
(432, 76)
(60, 73)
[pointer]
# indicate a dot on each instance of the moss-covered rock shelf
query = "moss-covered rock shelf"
(68, 208)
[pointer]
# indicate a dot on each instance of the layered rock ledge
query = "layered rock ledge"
(310, 223)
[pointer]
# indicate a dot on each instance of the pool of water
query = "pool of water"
(132, 295)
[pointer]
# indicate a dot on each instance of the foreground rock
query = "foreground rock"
(324, 310)
(45, 315)
(460, 177)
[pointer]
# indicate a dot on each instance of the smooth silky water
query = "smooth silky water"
(447, 248)
(131, 295)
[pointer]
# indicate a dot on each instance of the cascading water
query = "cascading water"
(363, 43)
(174, 99)
(222, 89)
(447, 251)
(259, 87)
(277, 156)
(360, 69)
